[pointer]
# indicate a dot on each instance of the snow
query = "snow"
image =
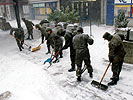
(27, 78)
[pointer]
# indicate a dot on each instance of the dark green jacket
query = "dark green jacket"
(116, 49)
(28, 24)
(80, 41)
(18, 33)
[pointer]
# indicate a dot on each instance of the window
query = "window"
(125, 8)
(37, 11)
(54, 4)
(87, 12)
(42, 11)
(41, 5)
(47, 5)
(26, 9)
(48, 10)
(35, 5)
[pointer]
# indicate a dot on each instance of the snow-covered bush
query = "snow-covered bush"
(66, 15)
(121, 21)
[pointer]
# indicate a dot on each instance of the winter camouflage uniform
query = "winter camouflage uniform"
(80, 43)
(116, 55)
(42, 30)
(58, 44)
(49, 38)
(29, 26)
(68, 43)
(19, 36)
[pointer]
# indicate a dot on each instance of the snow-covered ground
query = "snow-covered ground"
(27, 78)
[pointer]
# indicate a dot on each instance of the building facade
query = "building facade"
(113, 7)
(7, 8)
(30, 9)
(41, 8)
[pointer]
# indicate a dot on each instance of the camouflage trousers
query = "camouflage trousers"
(116, 69)
(83, 55)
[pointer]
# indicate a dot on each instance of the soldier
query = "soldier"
(80, 43)
(75, 28)
(58, 43)
(44, 23)
(68, 43)
(49, 39)
(116, 55)
(19, 36)
(47, 33)
(29, 26)
(42, 30)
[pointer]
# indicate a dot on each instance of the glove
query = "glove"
(111, 58)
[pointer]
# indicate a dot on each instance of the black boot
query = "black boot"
(79, 79)
(61, 56)
(48, 52)
(91, 75)
(113, 82)
(71, 70)
(28, 38)
(56, 61)
(116, 78)
(20, 49)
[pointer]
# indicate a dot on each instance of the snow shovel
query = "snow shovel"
(29, 47)
(37, 48)
(49, 59)
(98, 84)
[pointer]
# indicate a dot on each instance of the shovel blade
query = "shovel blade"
(35, 49)
(48, 60)
(98, 85)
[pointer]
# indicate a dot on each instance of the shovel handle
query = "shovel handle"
(41, 43)
(20, 40)
(54, 56)
(104, 73)
(29, 47)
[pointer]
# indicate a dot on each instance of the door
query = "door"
(110, 12)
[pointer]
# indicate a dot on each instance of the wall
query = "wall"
(130, 22)
(128, 46)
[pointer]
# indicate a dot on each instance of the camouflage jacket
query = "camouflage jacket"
(18, 33)
(28, 24)
(68, 40)
(116, 49)
(80, 41)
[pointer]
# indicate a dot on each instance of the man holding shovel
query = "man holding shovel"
(19, 36)
(116, 55)
(68, 43)
(29, 26)
(42, 30)
(49, 39)
(80, 44)
(58, 44)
